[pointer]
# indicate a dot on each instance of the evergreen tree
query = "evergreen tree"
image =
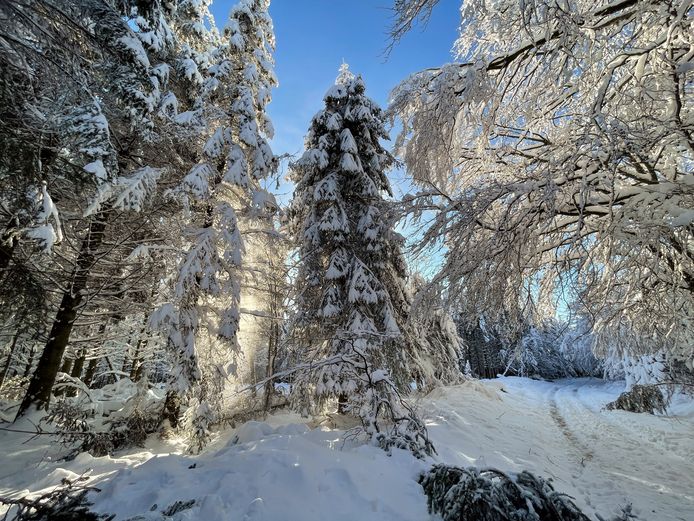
(204, 309)
(84, 126)
(352, 304)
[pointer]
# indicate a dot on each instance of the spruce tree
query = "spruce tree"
(352, 303)
(220, 191)
(84, 126)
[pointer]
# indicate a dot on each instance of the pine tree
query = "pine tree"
(351, 281)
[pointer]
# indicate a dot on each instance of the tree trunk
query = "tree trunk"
(67, 366)
(65, 369)
(172, 409)
(30, 361)
(136, 360)
(76, 372)
(94, 362)
(91, 371)
(79, 364)
(274, 337)
(138, 368)
(342, 401)
(10, 355)
(43, 379)
(270, 370)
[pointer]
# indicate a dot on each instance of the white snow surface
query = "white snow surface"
(282, 470)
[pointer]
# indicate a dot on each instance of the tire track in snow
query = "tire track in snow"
(589, 476)
(585, 453)
(623, 464)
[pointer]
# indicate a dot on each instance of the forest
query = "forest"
(474, 301)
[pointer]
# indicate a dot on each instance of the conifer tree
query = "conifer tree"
(235, 157)
(84, 126)
(352, 304)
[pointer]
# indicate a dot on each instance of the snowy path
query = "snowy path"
(604, 459)
(282, 471)
(629, 456)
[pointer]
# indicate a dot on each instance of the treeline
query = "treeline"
(134, 153)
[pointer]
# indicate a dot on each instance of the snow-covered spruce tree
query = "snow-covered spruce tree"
(106, 135)
(352, 305)
(92, 109)
(203, 317)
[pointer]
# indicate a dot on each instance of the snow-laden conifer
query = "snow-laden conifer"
(352, 302)
(235, 157)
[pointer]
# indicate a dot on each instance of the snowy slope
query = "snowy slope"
(281, 470)
(558, 429)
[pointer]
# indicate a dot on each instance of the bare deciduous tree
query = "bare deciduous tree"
(556, 156)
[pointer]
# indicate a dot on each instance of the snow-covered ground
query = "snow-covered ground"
(282, 470)
(603, 459)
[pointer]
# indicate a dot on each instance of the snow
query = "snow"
(97, 168)
(236, 167)
(347, 143)
(132, 44)
(285, 468)
(334, 122)
(43, 232)
(327, 189)
(348, 163)
(334, 219)
(197, 181)
(559, 430)
(44, 235)
(190, 70)
(339, 265)
(188, 117)
(126, 192)
(216, 144)
(361, 288)
(336, 92)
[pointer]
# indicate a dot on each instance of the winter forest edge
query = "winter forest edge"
(505, 340)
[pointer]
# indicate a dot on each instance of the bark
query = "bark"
(67, 366)
(76, 372)
(79, 364)
(42, 381)
(273, 340)
(65, 369)
(270, 370)
(91, 371)
(10, 355)
(136, 360)
(94, 362)
(30, 362)
(172, 409)
(342, 402)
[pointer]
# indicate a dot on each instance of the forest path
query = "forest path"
(604, 459)
(624, 453)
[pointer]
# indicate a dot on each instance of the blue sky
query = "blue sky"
(314, 36)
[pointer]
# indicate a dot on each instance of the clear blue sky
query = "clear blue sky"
(314, 36)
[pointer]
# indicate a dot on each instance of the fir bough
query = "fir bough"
(67, 502)
(471, 494)
(640, 398)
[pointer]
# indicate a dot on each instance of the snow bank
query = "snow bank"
(270, 474)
